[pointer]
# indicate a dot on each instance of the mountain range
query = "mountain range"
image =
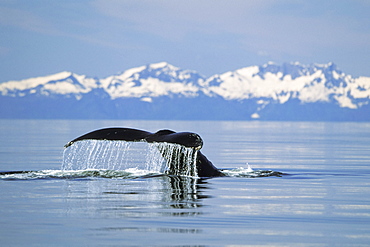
(289, 92)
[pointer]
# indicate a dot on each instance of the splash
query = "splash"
(157, 158)
(250, 173)
(73, 174)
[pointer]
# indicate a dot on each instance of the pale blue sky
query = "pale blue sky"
(103, 37)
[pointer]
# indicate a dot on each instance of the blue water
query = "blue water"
(323, 198)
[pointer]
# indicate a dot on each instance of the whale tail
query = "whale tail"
(187, 139)
(204, 167)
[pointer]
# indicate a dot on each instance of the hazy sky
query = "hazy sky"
(104, 37)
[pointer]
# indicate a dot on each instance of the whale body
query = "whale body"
(205, 168)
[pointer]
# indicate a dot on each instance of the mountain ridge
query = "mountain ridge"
(155, 89)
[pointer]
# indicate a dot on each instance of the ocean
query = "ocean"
(287, 184)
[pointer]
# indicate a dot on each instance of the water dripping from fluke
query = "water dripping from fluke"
(149, 158)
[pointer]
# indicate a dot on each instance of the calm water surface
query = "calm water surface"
(323, 200)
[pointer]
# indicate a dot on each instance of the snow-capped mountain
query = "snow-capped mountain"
(63, 83)
(308, 84)
(154, 80)
(290, 91)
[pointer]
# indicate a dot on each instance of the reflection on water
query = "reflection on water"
(150, 197)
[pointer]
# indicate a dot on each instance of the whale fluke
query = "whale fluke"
(205, 168)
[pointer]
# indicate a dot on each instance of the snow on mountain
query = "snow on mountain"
(271, 82)
(154, 80)
(63, 83)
